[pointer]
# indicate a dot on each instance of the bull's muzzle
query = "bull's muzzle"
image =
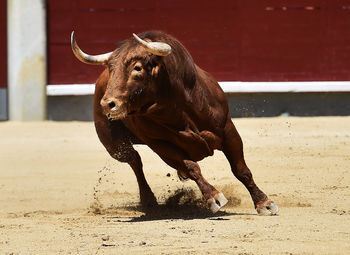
(113, 108)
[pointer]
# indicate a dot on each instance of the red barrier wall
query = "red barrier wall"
(3, 50)
(242, 40)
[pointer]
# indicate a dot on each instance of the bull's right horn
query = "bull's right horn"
(88, 59)
(156, 48)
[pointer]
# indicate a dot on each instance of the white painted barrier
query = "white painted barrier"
(26, 26)
(228, 87)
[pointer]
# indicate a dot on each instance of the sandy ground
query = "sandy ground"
(60, 193)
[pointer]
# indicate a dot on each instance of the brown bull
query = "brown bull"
(152, 93)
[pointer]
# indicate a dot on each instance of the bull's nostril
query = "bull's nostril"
(111, 105)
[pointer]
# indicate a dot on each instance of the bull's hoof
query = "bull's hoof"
(267, 208)
(148, 201)
(149, 204)
(216, 202)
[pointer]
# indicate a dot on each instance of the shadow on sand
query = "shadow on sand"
(181, 205)
(183, 212)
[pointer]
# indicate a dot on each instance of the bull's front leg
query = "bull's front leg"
(215, 199)
(176, 158)
(117, 140)
(233, 150)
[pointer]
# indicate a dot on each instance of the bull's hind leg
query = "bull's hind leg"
(233, 149)
(117, 140)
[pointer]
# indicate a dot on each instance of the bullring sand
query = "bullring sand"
(60, 193)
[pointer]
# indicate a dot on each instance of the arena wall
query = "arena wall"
(238, 42)
(3, 59)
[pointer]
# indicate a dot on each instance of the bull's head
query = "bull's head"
(133, 71)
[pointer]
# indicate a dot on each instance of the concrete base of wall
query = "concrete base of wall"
(294, 104)
(65, 108)
(3, 104)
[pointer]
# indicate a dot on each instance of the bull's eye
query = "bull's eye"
(138, 68)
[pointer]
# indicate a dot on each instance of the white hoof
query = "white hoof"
(217, 202)
(268, 209)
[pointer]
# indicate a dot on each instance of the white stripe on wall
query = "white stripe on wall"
(70, 90)
(227, 86)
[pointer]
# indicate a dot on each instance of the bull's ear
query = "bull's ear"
(155, 71)
(156, 63)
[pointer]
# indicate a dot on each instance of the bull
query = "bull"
(151, 92)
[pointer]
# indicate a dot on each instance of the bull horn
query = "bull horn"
(156, 48)
(88, 59)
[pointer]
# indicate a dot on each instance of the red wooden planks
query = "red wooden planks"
(3, 50)
(273, 40)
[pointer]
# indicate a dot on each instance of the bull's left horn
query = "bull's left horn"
(88, 59)
(156, 48)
